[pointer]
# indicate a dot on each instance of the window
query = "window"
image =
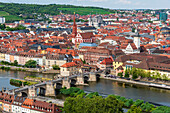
(48, 63)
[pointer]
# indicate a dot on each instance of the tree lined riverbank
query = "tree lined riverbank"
(112, 103)
(102, 86)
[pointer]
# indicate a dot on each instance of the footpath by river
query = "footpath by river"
(103, 86)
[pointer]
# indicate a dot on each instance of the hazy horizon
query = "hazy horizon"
(112, 4)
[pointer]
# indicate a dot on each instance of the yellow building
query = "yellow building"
(117, 64)
(2, 56)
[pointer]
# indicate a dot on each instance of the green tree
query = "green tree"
(120, 74)
(2, 26)
(97, 104)
(56, 67)
(161, 109)
(134, 109)
(138, 102)
(31, 64)
(147, 107)
(15, 63)
(126, 73)
(93, 94)
(118, 19)
(133, 29)
(128, 103)
(113, 105)
(70, 104)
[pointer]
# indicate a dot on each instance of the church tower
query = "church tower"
(136, 41)
(74, 31)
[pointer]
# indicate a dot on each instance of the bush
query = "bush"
(134, 109)
(91, 95)
(162, 109)
(2, 67)
(56, 67)
(147, 107)
(7, 68)
(123, 99)
(15, 82)
(31, 64)
(120, 74)
(73, 91)
(138, 102)
(128, 103)
(126, 74)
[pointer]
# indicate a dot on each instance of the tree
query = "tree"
(2, 26)
(69, 105)
(133, 29)
(113, 105)
(147, 107)
(134, 109)
(120, 74)
(138, 102)
(164, 77)
(126, 74)
(118, 19)
(162, 109)
(15, 63)
(56, 67)
(19, 27)
(128, 103)
(84, 62)
(97, 104)
(93, 94)
(31, 64)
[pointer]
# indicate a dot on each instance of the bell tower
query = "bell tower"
(74, 31)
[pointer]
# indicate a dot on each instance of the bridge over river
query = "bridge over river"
(47, 88)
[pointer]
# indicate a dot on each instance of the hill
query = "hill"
(12, 10)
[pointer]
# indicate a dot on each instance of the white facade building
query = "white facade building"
(2, 20)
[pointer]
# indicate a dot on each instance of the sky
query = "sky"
(112, 4)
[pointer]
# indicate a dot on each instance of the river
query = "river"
(160, 96)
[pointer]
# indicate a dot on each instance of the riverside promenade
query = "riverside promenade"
(162, 86)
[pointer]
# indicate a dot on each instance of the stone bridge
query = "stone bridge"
(48, 88)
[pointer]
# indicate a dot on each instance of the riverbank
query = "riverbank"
(142, 83)
(19, 83)
(146, 107)
(103, 86)
(34, 70)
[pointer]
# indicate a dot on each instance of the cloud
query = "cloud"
(124, 2)
(92, 0)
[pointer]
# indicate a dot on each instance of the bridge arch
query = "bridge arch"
(86, 78)
(98, 75)
(58, 85)
(73, 82)
(42, 91)
(24, 94)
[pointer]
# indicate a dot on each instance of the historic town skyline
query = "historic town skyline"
(113, 4)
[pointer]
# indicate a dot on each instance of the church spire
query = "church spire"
(74, 19)
(74, 31)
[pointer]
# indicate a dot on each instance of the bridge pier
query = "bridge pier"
(92, 77)
(80, 80)
(32, 92)
(50, 91)
(66, 83)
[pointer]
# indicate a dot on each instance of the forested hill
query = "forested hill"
(13, 10)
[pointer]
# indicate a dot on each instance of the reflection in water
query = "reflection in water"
(5, 77)
(150, 94)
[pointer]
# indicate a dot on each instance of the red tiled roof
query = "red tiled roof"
(70, 64)
(107, 61)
